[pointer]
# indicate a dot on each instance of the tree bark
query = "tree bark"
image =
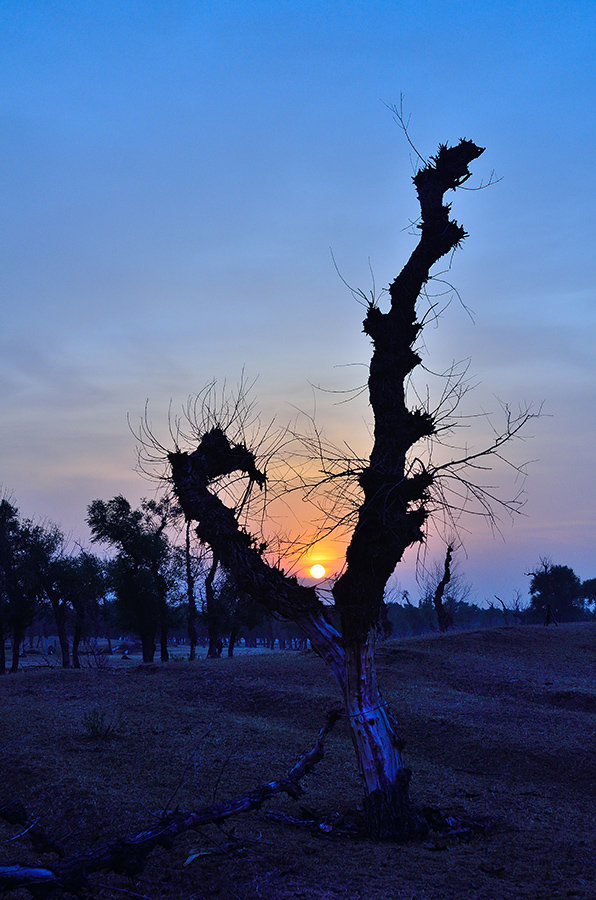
(18, 634)
(232, 640)
(148, 645)
(76, 640)
(379, 750)
(163, 634)
(190, 594)
(63, 638)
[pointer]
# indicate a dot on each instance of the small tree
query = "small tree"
(53, 570)
(444, 615)
(223, 610)
(555, 593)
(514, 608)
(396, 490)
(81, 583)
(193, 562)
(25, 552)
(140, 571)
(445, 590)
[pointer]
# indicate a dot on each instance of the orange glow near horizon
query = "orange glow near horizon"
(322, 560)
(295, 542)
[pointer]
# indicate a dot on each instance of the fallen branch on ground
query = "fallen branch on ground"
(127, 856)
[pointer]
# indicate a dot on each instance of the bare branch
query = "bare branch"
(404, 124)
(127, 855)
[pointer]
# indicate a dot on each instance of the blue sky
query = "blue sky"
(174, 175)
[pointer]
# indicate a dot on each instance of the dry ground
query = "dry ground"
(499, 724)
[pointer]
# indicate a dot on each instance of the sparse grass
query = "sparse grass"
(498, 724)
(99, 725)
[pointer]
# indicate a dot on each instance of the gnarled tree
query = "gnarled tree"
(395, 502)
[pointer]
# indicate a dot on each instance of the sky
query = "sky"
(177, 176)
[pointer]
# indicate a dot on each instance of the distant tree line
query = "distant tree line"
(150, 588)
(38, 575)
(159, 591)
(556, 595)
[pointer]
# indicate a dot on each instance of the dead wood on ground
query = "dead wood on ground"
(127, 856)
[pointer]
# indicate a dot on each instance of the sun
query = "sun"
(317, 571)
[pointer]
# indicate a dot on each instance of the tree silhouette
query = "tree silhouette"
(140, 571)
(9, 586)
(80, 582)
(397, 491)
(26, 553)
(555, 592)
(52, 568)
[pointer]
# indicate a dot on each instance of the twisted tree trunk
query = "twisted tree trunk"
(391, 517)
(379, 750)
(444, 617)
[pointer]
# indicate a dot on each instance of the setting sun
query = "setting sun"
(317, 571)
